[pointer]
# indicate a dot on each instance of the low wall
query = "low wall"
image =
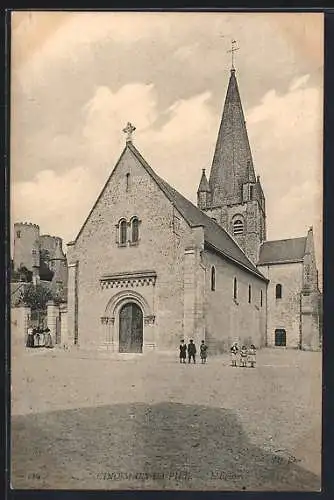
(19, 320)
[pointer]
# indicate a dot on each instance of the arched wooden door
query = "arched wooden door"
(130, 328)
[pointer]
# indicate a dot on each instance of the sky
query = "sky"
(77, 78)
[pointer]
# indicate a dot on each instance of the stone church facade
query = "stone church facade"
(149, 268)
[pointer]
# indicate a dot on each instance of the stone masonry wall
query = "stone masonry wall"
(163, 237)
(284, 313)
(229, 320)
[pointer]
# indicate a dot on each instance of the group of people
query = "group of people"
(39, 337)
(243, 356)
(191, 351)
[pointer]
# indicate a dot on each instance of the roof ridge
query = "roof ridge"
(98, 198)
(284, 239)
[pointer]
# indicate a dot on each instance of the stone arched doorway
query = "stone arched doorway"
(130, 328)
(140, 318)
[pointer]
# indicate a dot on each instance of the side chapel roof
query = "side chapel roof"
(282, 251)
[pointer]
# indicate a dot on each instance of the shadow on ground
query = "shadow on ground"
(136, 446)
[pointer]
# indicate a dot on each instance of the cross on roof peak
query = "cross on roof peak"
(232, 50)
(128, 130)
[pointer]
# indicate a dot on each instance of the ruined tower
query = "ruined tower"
(26, 245)
(233, 196)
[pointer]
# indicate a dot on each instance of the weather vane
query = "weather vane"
(129, 129)
(232, 50)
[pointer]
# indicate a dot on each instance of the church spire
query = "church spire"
(232, 164)
(203, 192)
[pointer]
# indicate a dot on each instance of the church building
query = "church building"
(149, 268)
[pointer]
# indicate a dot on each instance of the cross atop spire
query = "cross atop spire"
(232, 50)
(128, 130)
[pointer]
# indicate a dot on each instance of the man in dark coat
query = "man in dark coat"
(183, 352)
(191, 351)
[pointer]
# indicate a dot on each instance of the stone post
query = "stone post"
(25, 320)
(72, 303)
(20, 318)
(52, 314)
(63, 323)
(309, 322)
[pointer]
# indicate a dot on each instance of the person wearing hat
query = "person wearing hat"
(183, 352)
(191, 351)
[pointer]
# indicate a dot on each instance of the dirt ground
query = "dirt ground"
(103, 421)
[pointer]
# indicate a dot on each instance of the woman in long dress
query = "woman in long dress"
(48, 338)
(30, 337)
(41, 337)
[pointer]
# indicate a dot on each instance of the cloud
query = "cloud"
(55, 202)
(286, 134)
(299, 82)
(107, 113)
(183, 53)
(181, 147)
(76, 36)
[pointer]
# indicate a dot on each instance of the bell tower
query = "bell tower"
(234, 195)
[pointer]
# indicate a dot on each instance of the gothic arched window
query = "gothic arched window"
(278, 291)
(238, 226)
(213, 279)
(122, 232)
(249, 294)
(134, 230)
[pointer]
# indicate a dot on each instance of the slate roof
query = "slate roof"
(204, 184)
(215, 236)
(275, 252)
(232, 152)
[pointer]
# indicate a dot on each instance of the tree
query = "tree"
(21, 274)
(37, 296)
(45, 273)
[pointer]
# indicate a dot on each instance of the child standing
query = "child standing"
(203, 351)
(243, 356)
(252, 355)
(234, 353)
